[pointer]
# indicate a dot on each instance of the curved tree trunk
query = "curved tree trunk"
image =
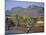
(33, 23)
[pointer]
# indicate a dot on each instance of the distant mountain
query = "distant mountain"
(8, 12)
(34, 11)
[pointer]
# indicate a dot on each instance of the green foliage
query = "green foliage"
(21, 19)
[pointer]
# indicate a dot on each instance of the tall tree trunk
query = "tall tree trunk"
(33, 23)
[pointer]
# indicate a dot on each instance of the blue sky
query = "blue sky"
(10, 4)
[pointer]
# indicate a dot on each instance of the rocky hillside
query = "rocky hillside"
(33, 11)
